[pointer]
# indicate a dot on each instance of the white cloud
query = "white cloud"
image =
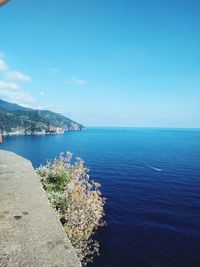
(77, 81)
(3, 65)
(16, 75)
(12, 92)
(13, 75)
(8, 85)
(19, 96)
(42, 93)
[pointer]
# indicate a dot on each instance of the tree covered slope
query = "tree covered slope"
(15, 119)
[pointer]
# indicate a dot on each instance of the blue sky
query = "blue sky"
(104, 62)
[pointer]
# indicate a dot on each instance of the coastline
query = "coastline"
(17, 133)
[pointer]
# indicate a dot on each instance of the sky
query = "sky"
(133, 63)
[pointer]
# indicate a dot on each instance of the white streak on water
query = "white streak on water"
(154, 168)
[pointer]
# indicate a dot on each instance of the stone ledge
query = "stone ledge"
(30, 231)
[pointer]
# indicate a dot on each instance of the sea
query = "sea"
(151, 180)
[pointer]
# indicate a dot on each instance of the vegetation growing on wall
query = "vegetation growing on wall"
(77, 200)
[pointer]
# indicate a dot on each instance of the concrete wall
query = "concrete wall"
(30, 231)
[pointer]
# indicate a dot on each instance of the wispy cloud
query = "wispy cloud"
(17, 75)
(4, 85)
(42, 93)
(3, 65)
(13, 93)
(9, 74)
(20, 97)
(53, 71)
(77, 81)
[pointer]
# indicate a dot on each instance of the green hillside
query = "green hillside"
(15, 119)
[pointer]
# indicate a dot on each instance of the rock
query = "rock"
(30, 231)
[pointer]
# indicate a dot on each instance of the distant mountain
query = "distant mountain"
(15, 119)
(11, 106)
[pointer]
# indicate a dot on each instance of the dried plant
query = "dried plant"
(78, 201)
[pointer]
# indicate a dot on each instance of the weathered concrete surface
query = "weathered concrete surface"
(30, 232)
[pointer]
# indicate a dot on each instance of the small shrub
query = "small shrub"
(77, 200)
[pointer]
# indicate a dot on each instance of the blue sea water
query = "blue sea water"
(151, 179)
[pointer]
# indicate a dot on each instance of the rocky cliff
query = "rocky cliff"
(15, 119)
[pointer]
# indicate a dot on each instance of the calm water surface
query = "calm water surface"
(151, 179)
